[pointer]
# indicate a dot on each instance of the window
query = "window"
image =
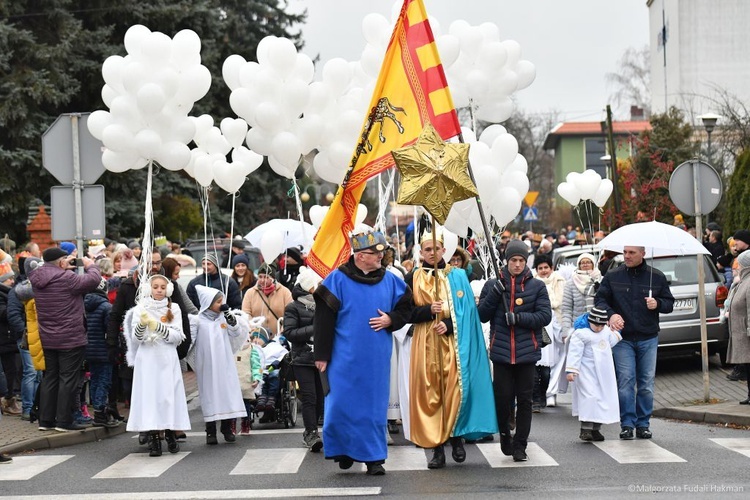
(595, 149)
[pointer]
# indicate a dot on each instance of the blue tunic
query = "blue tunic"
(359, 369)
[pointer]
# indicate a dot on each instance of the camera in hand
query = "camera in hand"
(75, 262)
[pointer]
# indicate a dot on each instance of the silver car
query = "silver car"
(680, 329)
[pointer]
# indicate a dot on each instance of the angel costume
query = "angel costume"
(595, 388)
(158, 399)
(215, 342)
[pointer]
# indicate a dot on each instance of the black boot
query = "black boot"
(458, 453)
(104, 419)
(438, 458)
(211, 433)
(154, 444)
(114, 413)
(172, 444)
(226, 430)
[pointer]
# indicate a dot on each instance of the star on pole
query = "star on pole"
(434, 174)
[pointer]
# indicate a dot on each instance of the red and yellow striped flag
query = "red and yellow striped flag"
(411, 90)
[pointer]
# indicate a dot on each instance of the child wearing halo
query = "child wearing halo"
(153, 330)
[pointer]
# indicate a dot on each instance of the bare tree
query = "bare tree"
(631, 83)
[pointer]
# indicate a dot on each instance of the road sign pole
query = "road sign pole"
(77, 186)
(701, 281)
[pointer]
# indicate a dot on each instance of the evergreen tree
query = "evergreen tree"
(737, 213)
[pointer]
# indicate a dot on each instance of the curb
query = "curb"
(54, 439)
(703, 415)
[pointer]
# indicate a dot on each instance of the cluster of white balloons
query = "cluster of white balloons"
(149, 93)
(483, 68)
(318, 213)
(588, 185)
(495, 162)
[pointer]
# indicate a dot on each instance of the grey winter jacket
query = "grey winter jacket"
(59, 304)
(573, 305)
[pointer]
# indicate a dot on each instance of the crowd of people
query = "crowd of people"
(424, 342)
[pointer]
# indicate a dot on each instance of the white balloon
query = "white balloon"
(268, 116)
(492, 56)
(203, 124)
(182, 129)
(112, 71)
(285, 148)
(118, 162)
(504, 150)
(250, 159)
(337, 74)
(569, 193)
(247, 73)
(603, 193)
(203, 170)
(243, 102)
(479, 154)
(234, 131)
(504, 84)
(296, 94)
(450, 243)
(118, 138)
(271, 245)
(495, 112)
(195, 83)
(174, 155)
(571, 179)
(150, 98)
(108, 95)
(134, 37)
(169, 81)
(283, 56)
(487, 179)
(230, 70)
(309, 130)
(304, 69)
(259, 141)
(449, 47)
(264, 48)
(361, 214)
(320, 98)
(506, 206)
(228, 177)
(517, 181)
(156, 49)
(471, 39)
(526, 72)
(469, 136)
(374, 26)
(514, 51)
(490, 32)
(280, 168)
(186, 45)
(518, 165)
(148, 143)
(327, 171)
(317, 214)
(491, 133)
(97, 122)
(371, 60)
(587, 183)
(456, 223)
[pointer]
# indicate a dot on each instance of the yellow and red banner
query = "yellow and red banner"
(411, 91)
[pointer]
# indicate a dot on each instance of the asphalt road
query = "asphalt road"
(560, 466)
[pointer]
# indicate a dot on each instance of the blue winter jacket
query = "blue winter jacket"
(97, 316)
(624, 290)
(527, 297)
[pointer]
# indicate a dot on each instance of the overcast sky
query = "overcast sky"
(573, 43)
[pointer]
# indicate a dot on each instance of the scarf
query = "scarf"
(583, 280)
(210, 315)
(157, 308)
(308, 301)
(268, 290)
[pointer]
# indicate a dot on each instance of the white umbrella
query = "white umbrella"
(657, 238)
(294, 231)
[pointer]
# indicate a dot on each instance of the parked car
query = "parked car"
(680, 330)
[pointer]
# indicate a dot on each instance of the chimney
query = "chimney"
(637, 114)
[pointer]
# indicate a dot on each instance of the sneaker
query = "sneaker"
(25, 416)
(375, 470)
(586, 435)
(536, 408)
(245, 427)
(229, 437)
(506, 444)
(392, 427)
(551, 402)
(643, 433)
(46, 427)
(626, 433)
(519, 455)
(72, 427)
(312, 441)
(5, 459)
(597, 435)
(83, 421)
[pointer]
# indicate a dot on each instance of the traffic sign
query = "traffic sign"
(57, 150)
(695, 179)
(530, 198)
(64, 212)
(530, 214)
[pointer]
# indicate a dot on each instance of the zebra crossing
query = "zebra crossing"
(289, 460)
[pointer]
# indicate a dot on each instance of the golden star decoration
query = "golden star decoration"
(434, 174)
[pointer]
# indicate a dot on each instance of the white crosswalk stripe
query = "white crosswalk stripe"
(141, 465)
(640, 451)
(270, 461)
(400, 458)
(740, 445)
(495, 457)
(24, 468)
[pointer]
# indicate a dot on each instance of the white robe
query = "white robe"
(595, 388)
(214, 345)
(158, 398)
(399, 375)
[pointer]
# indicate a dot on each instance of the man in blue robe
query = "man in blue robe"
(356, 308)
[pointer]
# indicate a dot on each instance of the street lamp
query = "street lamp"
(709, 123)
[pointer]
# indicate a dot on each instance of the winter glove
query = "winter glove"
(511, 318)
(153, 324)
(144, 318)
(231, 320)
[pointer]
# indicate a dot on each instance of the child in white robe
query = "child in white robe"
(218, 333)
(153, 330)
(592, 370)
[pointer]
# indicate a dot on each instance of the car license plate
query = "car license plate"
(683, 304)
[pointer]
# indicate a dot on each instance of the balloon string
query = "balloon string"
(231, 239)
(147, 244)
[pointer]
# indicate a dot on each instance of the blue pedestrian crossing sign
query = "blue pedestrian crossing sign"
(530, 214)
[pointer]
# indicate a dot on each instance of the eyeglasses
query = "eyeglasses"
(373, 253)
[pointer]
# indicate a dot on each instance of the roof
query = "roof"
(589, 129)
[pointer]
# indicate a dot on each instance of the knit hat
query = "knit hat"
(295, 253)
(516, 248)
(308, 278)
(31, 264)
(133, 245)
(53, 253)
(269, 269)
(6, 271)
(712, 226)
(743, 259)
(260, 334)
(598, 316)
(212, 259)
(240, 258)
(238, 243)
(585, 256)
(743, 235)
(68, 247)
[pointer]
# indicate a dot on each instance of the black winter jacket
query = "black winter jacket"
(7, 339)
(98, 309)
(16, 314)
(624, 290)
(217, 281)
(298, 327)
(527, 297)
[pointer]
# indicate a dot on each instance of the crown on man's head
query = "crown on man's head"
(367, 240)
(427, 236)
